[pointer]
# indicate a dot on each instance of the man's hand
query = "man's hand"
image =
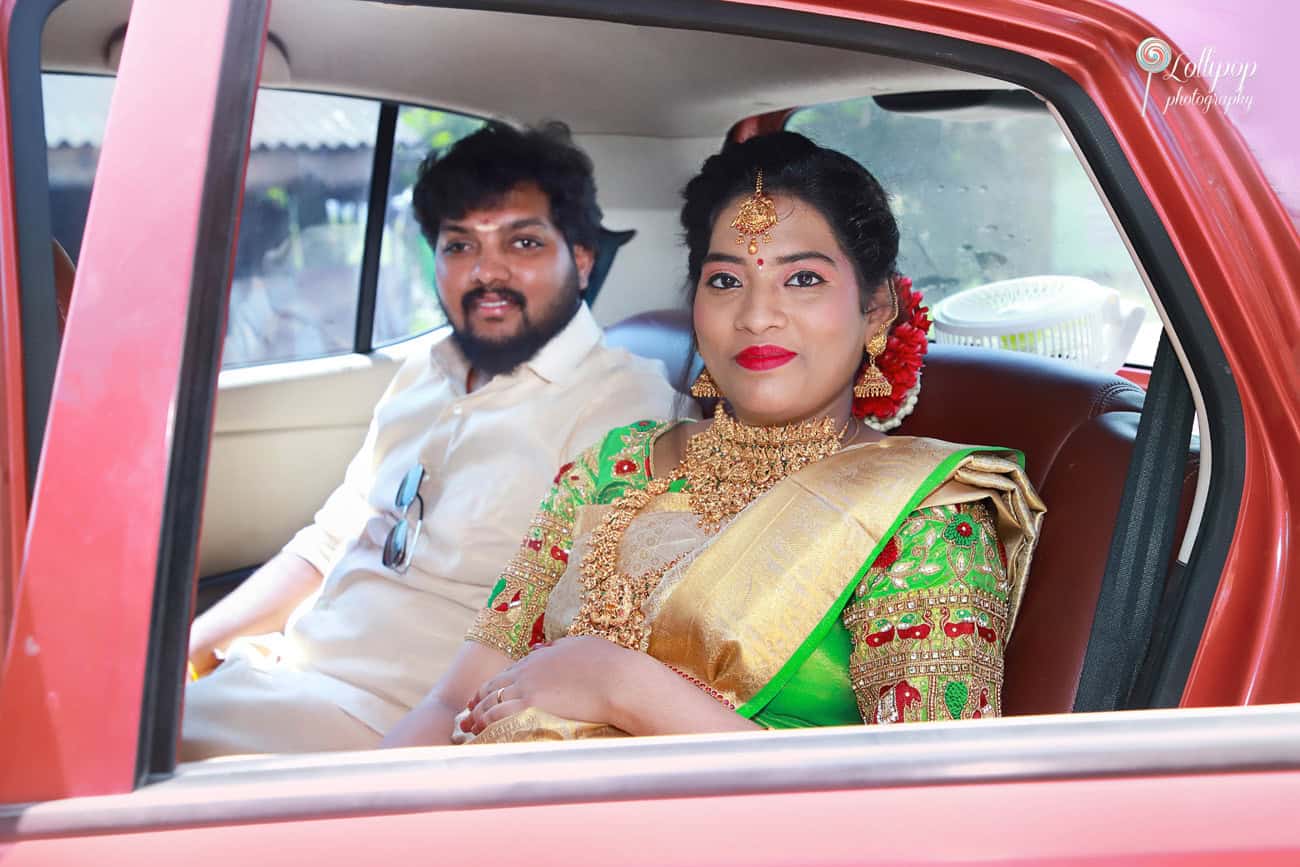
(203, 662)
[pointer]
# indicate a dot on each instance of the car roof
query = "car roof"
(601, 77)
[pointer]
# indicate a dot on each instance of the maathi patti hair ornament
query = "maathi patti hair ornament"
(756, 217)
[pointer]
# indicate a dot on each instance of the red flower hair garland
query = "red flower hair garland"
(901, 362)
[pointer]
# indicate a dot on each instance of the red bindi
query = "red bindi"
(760, 263)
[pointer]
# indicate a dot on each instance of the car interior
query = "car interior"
(649, 103)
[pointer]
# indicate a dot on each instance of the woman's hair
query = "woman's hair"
(480, 169)
(846, 194)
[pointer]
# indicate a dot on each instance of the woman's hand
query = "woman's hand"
(574, 678)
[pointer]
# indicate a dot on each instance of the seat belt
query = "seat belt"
(1143, 542)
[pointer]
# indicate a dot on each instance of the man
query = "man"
(368, 604)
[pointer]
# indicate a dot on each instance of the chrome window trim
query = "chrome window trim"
(427, 779)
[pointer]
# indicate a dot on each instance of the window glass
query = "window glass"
(302, 229)
(76, 111)
(406, 302)
(985, 195)
(297, 272)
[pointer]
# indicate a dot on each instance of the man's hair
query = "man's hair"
(480, 169)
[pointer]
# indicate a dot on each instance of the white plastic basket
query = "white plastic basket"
(1070, 318)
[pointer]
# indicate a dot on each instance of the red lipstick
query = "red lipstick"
(765, 357)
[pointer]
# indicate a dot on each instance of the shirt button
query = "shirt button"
(457, 410)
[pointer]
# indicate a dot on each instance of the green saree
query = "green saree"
(876, 586)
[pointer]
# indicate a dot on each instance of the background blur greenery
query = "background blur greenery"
(984, 194)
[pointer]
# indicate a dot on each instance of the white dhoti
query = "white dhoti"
(252, 705)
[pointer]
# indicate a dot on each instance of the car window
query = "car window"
(298, 264)
(406, 303)
(984, 194)
(76, 111)
(301, 233)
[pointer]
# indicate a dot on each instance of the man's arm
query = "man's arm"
(261, 604)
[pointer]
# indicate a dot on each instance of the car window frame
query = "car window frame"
(1117, 184)
(1169, 276)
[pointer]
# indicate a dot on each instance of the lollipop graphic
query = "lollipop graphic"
(1153, 55)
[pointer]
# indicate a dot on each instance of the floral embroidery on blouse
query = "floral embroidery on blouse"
(513, 620)
(928, 620)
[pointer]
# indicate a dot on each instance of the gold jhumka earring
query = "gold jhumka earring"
(873, 382)
(704, 386)
(756, 217)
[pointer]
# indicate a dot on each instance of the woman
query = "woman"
(783, 564)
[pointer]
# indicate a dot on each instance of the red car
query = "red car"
(1153, 679)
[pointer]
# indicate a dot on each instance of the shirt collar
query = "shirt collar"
(554, 362)
(560, 357)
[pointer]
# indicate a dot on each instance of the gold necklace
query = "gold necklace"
(731, 464)
(728, 466)
(611, 599)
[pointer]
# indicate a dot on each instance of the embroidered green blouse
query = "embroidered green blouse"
(931, 595)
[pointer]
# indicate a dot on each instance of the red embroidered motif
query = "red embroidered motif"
(887, 556)
(884, 636)
(506, 606)
(920, 631)
(558, 553)
(539, 633)
(906, 695)
(559, 475)
(535, 544)
(954, 630)
(894, 701)
(623, 467)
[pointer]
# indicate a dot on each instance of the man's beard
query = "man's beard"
(496, 356)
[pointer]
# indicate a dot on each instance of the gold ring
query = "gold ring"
(499, 691)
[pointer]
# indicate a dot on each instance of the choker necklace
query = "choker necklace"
(728, 466)
(731, 464)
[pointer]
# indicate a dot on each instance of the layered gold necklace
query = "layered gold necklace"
(727, 466)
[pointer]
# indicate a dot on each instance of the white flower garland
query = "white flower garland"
(904, 409)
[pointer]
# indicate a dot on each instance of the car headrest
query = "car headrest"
(607, 247)
(1013, 399)
(661, 334)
